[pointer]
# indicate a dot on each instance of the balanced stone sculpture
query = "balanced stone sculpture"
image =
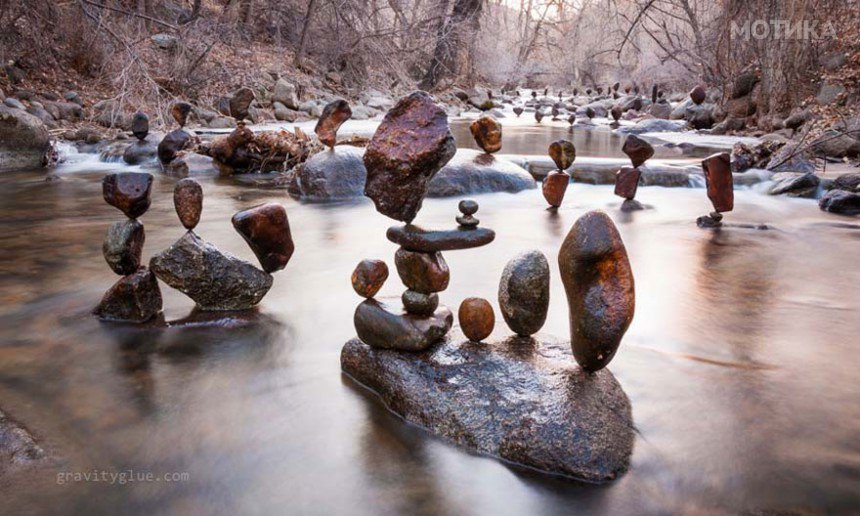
(135, 297)
(518, 110)
(627, 178)
(598, 281)
(487, 133)
(177, 140)
(720, 186)
(334, 114)
(555, 184)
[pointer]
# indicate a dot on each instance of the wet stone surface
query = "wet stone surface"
(123, 245)
(334, 114)
(387, 327)
(524, 292)
(188, 201)
(266, 228)
(368, 277)
(134, 298)
(541, 402)
(128, 192)
(414, 238)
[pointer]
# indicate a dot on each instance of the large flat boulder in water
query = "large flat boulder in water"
(24, 140)
(473, 172)
(520, 400)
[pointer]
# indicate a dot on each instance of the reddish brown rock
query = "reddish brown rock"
(240, 102)
(563, 153)
(333, 116)
(422, 272)
(616, 113)
(173, 143)
(476, 318)
(128, 192)
(718, 178)
(134, 298)
(626, 182)
(554, 187)
(598, 281)
(487, 133)
(266, 228)
(637, 149)
(368, 277)
(420, 304)
(538, 115)
(123, 245)
(410, 146)
(188, 201)
(698, 94)
(180, 111)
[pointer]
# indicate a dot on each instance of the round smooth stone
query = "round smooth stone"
(476, 318)
(368, 277)
(188, 200)
(468, 207)
(420, 304)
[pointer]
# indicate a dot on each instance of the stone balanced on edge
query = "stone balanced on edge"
(720, 185)
(627, 178)
(563, 153)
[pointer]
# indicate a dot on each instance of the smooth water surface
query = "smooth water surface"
(741, 362)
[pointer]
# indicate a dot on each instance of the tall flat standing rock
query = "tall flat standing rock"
(518, 399)
(718, 178)
(266, 228)
(411, 144)
(598, 281)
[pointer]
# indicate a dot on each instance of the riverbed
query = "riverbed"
(740, 363)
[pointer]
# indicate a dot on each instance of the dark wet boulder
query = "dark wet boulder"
(836, 144)
(418, 303)
(840, 202)
(368, 277)
(24, 140)
(336, 173)
(637, 149)
(698, 94)
(476, 318)
(848, 182)
(524, 292)
(790, 158)
(795, 184)
(598, 281)
(174, 142)
(129, 192)
(487, 132)
(415, 238)
(123, 245)
(719, 181)
(213, 279)
(410, 146)
(134, 298)
(188, 201)
(140, 151)
(700, 116)
(472, 172)
(334, 114)
(546, 414)
(266, 229)
(381, 326)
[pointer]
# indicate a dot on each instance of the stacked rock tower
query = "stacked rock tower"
(627, 179)
(135, 297)
(720, 185)
(563, 153)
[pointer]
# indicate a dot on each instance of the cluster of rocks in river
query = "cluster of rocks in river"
(212, 278)
(403, 355)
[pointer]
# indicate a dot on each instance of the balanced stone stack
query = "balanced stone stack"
(627, 179)
(216, 280)
(720, 185)
(135, 297)
(177, 140)
(563, 153)
(140, 150)
(334, 114)
(411, 145)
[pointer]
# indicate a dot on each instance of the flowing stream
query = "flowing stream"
(741, 362)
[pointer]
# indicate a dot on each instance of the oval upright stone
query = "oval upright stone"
(476, 318)
(188, 200)
(266, 228)
(598, 281)
(524, 292)
(128, 192)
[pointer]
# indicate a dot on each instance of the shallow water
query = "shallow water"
(740, 363)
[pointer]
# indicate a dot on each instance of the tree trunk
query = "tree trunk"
(464, 17)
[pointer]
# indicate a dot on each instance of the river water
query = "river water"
(741, 362)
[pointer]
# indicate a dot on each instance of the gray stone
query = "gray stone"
(829, 92)
(794, 184)
(384, 327)
(213, 279)
(653, 125)
(336, 173)
(849, 182)
(285, 93)
(122, 246)
(786, 159)
(24, 140)
(140, 152)
(17, 446)
(472, 172)
(134, 298)
(837, 145)
(524, 292)
(840, 202)
(518, 400)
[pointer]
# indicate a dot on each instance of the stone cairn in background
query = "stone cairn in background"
(487, 133)
(333, 116)
(627, 178)
(177, 140)
(720, 185)
(411, 145)
(216, 280)
(563, 153)
(135, 297)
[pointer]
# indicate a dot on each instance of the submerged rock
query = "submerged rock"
(795, 184)
(213, 279)
(598, 281)
(123, 245)
(266, 229)
(476, 318)
(128, 192)
(411, 145)
(134, 298)
(368, 277)
(524, 293)
(471, 172)
(381, 326)
(518, 400)
(17, 445)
